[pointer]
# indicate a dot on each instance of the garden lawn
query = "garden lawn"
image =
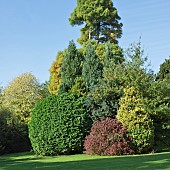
(28, 161)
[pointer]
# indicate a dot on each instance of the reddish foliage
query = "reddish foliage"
(108, 137)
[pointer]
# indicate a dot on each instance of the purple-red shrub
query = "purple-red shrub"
(108, 137)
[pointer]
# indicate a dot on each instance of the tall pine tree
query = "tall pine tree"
(100, 19)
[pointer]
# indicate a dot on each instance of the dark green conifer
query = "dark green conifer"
(71, 67)
(92, 68)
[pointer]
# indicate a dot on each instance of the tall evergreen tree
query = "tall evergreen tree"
(92, 68)
(70, 68)
(100, 18)
(105, 96)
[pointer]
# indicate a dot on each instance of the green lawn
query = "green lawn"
(28, 161)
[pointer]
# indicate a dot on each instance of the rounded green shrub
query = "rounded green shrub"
(58, 125)
(108, 137)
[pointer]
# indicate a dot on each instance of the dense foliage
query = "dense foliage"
(164, 72)
(158, 106)
(138, 122)
(79, 87)
(55, 73)
(92, 68)
(13, 136)
(136, 71)
(70, 68)
(108, 137)
(100, 19)
(98, 83)
(104, 97)
(58, 125)
(21, 95)
(109, 51)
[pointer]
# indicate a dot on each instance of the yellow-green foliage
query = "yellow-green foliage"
(84, 36)
(133, 115)
(55, 76)
(101, 49)
(21, 95)
(79, 87)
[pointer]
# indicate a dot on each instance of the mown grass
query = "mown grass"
(28, 161)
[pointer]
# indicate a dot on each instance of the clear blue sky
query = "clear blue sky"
(33, 31)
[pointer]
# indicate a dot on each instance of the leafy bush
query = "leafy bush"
(13, 136)
(108, 137)
(139, 125)
(58, 125)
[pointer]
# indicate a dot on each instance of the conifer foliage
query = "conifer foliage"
(92, 68)
(71, 67)
(55, 74)
(100, 18)
(138, 122)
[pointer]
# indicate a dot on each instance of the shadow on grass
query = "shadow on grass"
(26, 161)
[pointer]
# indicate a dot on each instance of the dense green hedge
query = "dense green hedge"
(58, 125)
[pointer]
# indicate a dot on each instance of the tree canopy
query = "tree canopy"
(100, 19)
(21, 95)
